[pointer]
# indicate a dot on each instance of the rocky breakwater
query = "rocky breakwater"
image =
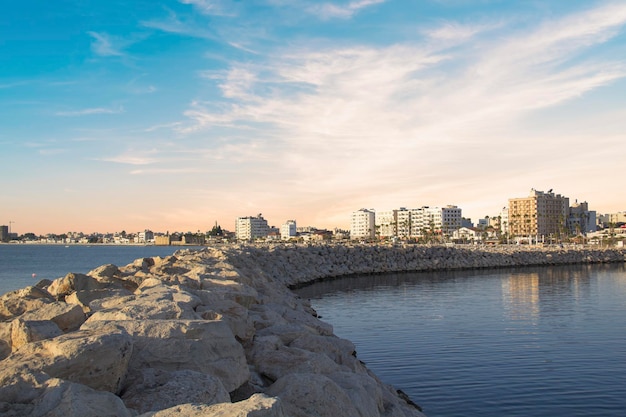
(297, 265)
(201, 333)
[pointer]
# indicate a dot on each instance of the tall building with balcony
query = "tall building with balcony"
(386, 223)
(249, 228)
(363, 224)
(539, 216)
(4, 233)
(435, 220)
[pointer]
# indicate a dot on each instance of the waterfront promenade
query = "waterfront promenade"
(215, 331)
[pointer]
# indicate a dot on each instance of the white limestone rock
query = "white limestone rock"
(73, 282)
(277, 363)
(154, 301)
(203, 346)
(258, 405)
(155, 389)
(67, 316)
(27, 331)
(306, 395)
(84, 299)
(16, 303)
(98, 360)
(68, 399)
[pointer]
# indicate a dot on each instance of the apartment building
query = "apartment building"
(386, 223)
(249, 228)
(435, 220)
(363, 224)
(403, 223)
(288, 230)
(581, 220)
(538, 216)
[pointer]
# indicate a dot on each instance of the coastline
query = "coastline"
(215, 330)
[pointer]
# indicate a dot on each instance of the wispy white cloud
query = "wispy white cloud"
(172, 125)
(347, 119)
(161, 171)
(105, 45)
(174, 24)
(213, 7)
(341, 11)
(90, 111)
(132, 157)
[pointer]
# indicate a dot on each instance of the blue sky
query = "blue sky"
(171, 115)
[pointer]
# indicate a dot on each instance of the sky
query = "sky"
(172, 115)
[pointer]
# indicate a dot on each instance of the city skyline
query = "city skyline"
(183, 113)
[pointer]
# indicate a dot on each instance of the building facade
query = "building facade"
(581, 220)
(540, 216)
(249, 228)
(363, 224)
(288, 230)
(386, 223)
(4, 233)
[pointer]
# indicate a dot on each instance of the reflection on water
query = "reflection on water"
(520, 295)
(518, 342)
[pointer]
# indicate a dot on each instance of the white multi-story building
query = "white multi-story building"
(435, 220)
(504, 220)
(248, 228)
(363, 224)
(386, 223)
(403, 229)
(144, 237)
(288, 230)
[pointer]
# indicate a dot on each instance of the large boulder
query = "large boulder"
(98, 360)
(69, 399)
(203, 346)
(67, 316)
(152, 301)
(66, 285)
(16, 303)
(258, 405)
(306, 395)
(155, 389)
(27, 331)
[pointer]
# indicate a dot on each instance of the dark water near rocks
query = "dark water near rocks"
(526, 342)
(18, 263)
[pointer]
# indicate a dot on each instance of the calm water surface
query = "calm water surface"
(18, 263)
(525, 342)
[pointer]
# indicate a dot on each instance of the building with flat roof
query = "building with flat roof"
(363, 224)
(250, 228)
(288, 230)
(539, 216)
(386, 223)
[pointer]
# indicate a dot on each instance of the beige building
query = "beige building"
(539, 216)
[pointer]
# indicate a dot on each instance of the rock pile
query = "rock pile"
(211, 332)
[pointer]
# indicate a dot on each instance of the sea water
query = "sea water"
(22, 265)
(526, 342)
